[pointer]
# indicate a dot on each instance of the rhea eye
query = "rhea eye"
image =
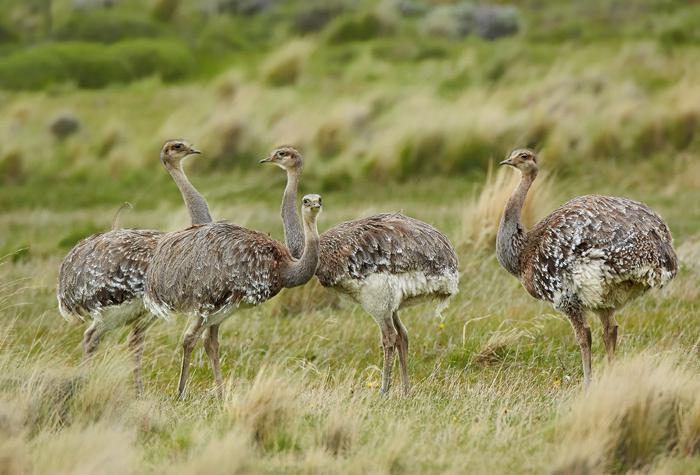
(523, 155)
(306, 202)
(177, 146)
(320, 201)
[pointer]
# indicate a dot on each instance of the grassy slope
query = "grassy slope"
(496, 382)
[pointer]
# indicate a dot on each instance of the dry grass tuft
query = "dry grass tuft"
(640, 410)
(340, 432)
(229, 454)
(13, 446)
(285, 66)
(265, 408)
(86, 450)
(497, 346)
(482, 215)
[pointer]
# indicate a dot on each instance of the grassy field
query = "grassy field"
(400, 117)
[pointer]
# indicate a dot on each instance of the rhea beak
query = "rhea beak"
(266, 160)
(507, 161)
(194, 151)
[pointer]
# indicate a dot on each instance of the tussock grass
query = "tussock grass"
(640, 410)
(482, 214)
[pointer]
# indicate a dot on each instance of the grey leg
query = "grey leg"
(402, 345)
(194, 330)
(583, 337)
(211, 345)
(607, 318)
(389, 337)
(92, 337)
(136, 342)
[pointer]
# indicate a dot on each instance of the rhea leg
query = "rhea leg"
(211, 345)
(91, 338)
(136, 342)
(192, 334)
(607, 318)
(402, 345)
(583, 337)
(389, 338)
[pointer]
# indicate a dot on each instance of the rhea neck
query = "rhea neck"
(196, 204)
(293, 233)
(511, 235)
(300, 271)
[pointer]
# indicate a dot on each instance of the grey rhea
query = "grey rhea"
(593, 253)
(384, 262)
(207, 272)
(102, 277)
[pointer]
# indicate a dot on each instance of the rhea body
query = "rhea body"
(383, 262)
(102, 277)
(592, 254)
(208, 272)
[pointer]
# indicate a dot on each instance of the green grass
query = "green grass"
(493, 383)
(388, 118)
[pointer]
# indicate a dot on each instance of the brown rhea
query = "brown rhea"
(384, 262)
(208, 272)
(593, 253)
(102, 277)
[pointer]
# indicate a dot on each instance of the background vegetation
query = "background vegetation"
(397, 105)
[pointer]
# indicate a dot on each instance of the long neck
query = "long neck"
(300, 271)
(194, 201)
(293, 234)
(511, 235)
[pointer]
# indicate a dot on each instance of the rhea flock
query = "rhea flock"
(208, 272)
(384, 262)
(102, 277)
(593, 253)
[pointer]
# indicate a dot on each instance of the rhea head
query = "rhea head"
(287, 158)
(174, 151)
(524, 160)
(311, 205)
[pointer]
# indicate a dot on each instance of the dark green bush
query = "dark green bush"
(91, 65)
(7, 35)
(168, 59)
(357, 28)
(315, 15)
(32, 68)
(105, 26)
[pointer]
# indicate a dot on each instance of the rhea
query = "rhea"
(102, 277)
(210, 271)
(384, 262)
(593, 253)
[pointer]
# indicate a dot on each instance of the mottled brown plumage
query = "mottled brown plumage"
(206, 272)
(594, 253)
(104, 270)
(233, 266)
(383, 262)
(102, 277)
(384, 243)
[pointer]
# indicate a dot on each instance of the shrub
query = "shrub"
(357, 28)
(244, 7)
(105, 26)
(165, 10)
(7, 35)
(91, 65)
(12, 169)
(64, 125)
(286, 65)
(461, 20)
(640, 410)
(315, 16)
(167, 59)
(33, 68)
